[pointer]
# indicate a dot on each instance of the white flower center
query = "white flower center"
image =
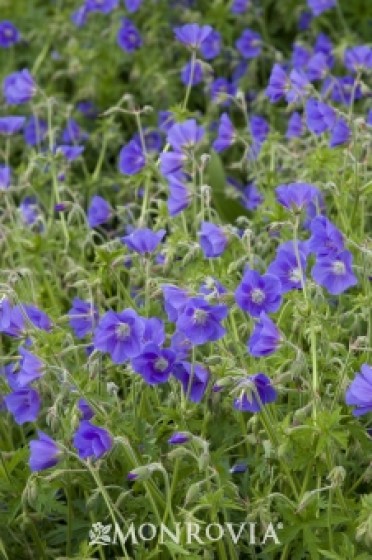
(200, 317)
(161, 364)
(295, 275)
(122, 331)
(257, 295)
(338, 268)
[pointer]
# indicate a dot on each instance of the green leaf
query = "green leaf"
(176, 548)
(228, 208)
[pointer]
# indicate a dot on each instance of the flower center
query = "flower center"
(257, 295)
(200, 316)
(8, 32)
(161, 364)
(339, 268)
(122, 331)
(295, 275)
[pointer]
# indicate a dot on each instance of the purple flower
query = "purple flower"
(256, 391)
(300, 56)
(211, 46)
(369, 118)
(239, 468)
(342, 90)
(154, 364)
(72, 133)
(295, 126)
(259, 128)
(99, 211)
(192, 35)
(179, 195)
(79, 16)
(200, 321)
(103, 6)
(83, 317)
(258, 293)
(165, 120)
(265, 338)
(61, 206)
(320, 6)
(212, 287)
(298, 86)
(212, 240)
(226, 134)
(19, 87)
(29, 210)
(22, 315)
(194, 379)
(87, 108)
(292, 87)
(153, 331)
(175, 300)
(5, 314)
(120, 335)
(44, 452)
(239, 71)
(181, 346)
(5, 177)
(131, 158)
(286, 267)
(178, 438)
(296, 196)
(24, 404)
(91, 441)
(9, 34)
(197, 73)
(132, 5)
(358, 58)
(239, 6)
(359, 393)
(317, 67)
(37, 317)
(251, 198)
(35, 131)
(11, 323)
(325, 238)
(221, 90)
(304, 20)
(249, 44)
(70, 152)
(85, 409)
(171, 163)
(335, 272)
(340, 133)
(319, 116)
(185, 135)
(143, 240)
(128, 37)
(153, 140)
(11, 125)
(323, 44)
(278, 84)
(30, 368)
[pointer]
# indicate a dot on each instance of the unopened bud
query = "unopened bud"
(337, 476)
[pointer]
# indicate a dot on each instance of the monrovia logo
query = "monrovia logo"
(194, 532)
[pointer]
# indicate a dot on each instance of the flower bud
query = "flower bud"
(337, 476)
